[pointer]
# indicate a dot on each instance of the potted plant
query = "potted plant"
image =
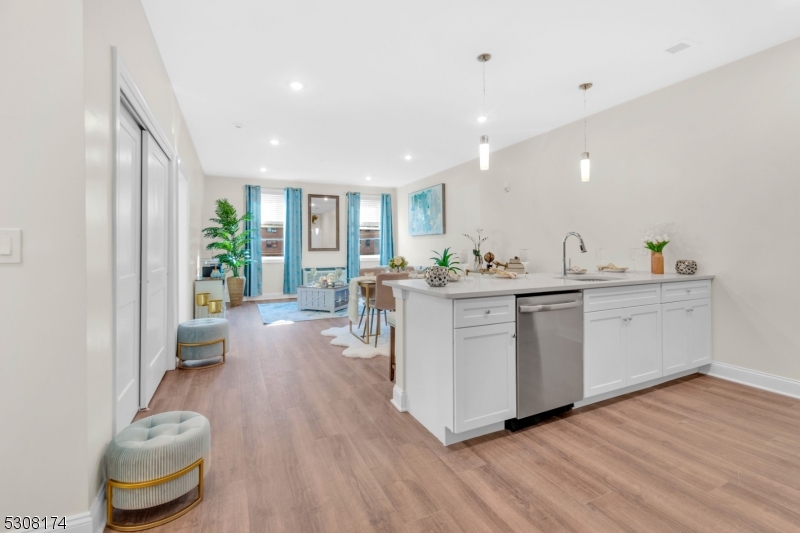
(447, 261)
(232, 244)
(656, 242)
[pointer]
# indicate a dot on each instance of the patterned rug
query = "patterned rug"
(286, 312)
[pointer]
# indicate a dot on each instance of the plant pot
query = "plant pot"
(235, 290)
(656, 263)
(437, 276)
(687, 267)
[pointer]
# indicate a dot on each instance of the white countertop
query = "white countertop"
(478, 286)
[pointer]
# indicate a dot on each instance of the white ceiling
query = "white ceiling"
(388, 78)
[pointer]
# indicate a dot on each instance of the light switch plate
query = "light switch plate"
(10, 245)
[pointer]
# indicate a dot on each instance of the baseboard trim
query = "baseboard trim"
(98, 510)
(92, 521)
(634, 388)
(399, 399)
(755, 379)
(267, 297)
(452, 438)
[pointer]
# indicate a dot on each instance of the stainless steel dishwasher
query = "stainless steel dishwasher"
(549, 356)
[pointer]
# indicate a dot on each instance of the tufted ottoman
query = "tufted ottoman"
(199, 339)
(154, 461)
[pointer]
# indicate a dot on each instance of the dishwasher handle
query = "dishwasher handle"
(549, 307)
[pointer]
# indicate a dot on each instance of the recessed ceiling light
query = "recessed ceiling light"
(408, 158)
(296, 85)
(369, 178)
(313, 205)
(326, 198)
(481, 120)
(263, 169)
(274, 142)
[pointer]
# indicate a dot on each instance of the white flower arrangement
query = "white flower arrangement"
(398, 261)
(656, 237)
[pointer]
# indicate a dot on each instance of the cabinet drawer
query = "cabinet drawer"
(618, 297)
(685, 290)
(484, 311)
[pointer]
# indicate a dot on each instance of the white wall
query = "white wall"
(43, 299)
(716, 155)
(232, 188)
(122, 24)
(56, 159)
(462, 215)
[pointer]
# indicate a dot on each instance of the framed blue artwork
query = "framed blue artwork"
(426, 211)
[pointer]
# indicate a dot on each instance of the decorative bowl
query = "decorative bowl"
(687, 267)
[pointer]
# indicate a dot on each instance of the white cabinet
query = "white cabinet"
(622, 347)
(603, 351)
(484, 311)
(643, 344)
(687, 334)
(485, 383)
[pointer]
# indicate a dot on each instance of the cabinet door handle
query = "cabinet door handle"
(488, 311)
(513, 335)
(688, 290)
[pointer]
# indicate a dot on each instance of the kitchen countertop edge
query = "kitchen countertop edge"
(484, 287)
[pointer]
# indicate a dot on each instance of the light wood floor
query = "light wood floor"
(306, 440)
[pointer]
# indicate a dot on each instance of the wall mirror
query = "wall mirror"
(323, 223)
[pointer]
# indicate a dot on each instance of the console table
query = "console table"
(329, 299)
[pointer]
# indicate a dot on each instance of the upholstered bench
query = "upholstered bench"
(155, 460)
(201, 339)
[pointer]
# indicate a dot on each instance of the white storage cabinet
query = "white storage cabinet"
(622, 340)
(485, 378)
(686, 325)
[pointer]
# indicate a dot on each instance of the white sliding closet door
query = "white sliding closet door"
(128, 225)
(155, 271)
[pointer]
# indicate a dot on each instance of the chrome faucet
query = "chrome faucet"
(564, 251)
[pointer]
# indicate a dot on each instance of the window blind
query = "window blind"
(370, 211)
(273, 207)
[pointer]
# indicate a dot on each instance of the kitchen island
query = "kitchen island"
(456, 346)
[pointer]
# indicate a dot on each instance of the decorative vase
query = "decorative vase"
(235, 290)
(686, 267)
(656, 263)
(437, 276)
(477, 260)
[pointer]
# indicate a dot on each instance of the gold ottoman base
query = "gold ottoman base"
(111, 484)
(182, 344)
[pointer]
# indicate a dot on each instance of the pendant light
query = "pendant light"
(585, 163)
(483, 148)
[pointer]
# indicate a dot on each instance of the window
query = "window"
(370, 224)
(273, 215)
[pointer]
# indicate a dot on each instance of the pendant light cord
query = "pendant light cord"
(584, 120)
(484, 95)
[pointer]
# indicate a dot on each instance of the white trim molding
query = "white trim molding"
(399, 399)
(754, 378)
(635, 388)
(91, 521)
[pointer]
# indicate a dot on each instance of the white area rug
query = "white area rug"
(356, 348)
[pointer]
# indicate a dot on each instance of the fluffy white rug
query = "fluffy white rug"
(356, 348)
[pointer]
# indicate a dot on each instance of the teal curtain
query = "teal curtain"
(387, 232)
(252, 271)
(293, 241)
(353, 234)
